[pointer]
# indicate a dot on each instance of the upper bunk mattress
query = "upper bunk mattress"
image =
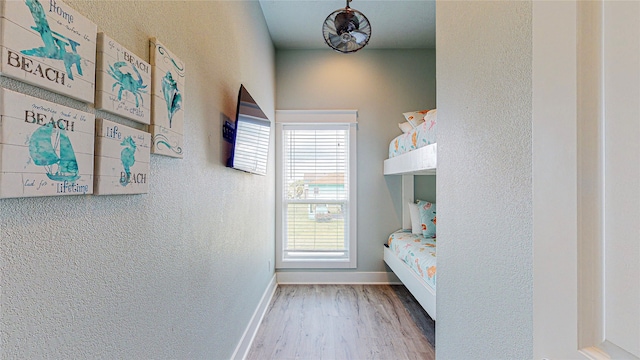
(422, 135)
(418, 252)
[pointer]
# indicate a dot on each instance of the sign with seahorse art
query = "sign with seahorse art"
(122, 159)
(46, 149)
(48, 44)
(123, 81)
(167, 101)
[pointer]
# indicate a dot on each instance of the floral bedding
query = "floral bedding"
(422, 135)
(417, 252)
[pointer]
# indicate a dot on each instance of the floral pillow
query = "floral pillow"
(415, 118)
(427, 218)
(431, 115)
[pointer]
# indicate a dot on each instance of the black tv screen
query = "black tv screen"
(250, 149)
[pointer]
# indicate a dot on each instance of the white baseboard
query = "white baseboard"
(337, 277)
(250, 332)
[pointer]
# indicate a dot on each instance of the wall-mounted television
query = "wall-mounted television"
(250, 140)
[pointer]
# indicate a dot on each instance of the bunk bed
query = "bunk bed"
(416, 269)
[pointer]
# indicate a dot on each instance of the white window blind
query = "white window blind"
(317, 210)
(316, 176)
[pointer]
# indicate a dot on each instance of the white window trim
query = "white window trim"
(315, 117)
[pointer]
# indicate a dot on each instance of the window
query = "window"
(316, 195)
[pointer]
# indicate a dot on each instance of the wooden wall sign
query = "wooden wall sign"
(167, 101)
(46, 149)
(121, 160)
(123, 81)
(48, 44)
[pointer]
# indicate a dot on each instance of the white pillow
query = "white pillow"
(405, 127)
(416, 225)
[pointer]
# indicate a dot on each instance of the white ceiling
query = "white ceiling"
(395, 24)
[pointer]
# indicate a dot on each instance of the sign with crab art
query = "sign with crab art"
(121, 159)
(167, 101)
(123, 81)
(48, 44)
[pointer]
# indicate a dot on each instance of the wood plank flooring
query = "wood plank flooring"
(343, 322)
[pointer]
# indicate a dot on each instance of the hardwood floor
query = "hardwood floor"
(343, 322)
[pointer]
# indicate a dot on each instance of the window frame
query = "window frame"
(316, 119)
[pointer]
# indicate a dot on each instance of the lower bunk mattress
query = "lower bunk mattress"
(418, 252)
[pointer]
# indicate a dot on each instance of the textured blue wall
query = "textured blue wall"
(175, 273)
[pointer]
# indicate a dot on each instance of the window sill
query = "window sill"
(316, 264)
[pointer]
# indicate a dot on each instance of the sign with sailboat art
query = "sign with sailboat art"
(121, 160)
(167, 101)
(46, 149)
(48, 44)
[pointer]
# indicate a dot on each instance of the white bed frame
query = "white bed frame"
(423, 292)
(422, 161)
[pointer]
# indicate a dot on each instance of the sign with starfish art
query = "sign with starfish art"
(50, 45)
(121, 160)
(122, 81)
(167, 101)
(46, 149)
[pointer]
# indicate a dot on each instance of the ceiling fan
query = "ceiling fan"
(346, 30)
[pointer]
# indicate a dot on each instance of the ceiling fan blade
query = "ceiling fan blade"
(335, 40)
(359, 36)
(344, 47)
(346, 21)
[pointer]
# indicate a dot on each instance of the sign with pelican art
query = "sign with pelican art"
(121, 160)
(48, 44)
(167, 101)
(46, 149)
(123, 81)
